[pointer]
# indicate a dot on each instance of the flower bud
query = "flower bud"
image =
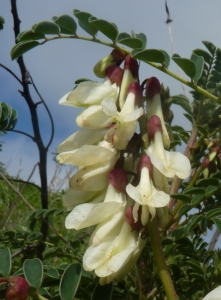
(130, 219)
(152, 88)
(118, 178)
(144, 161)
(115, 74)
(214, 151)
(131, 68)
(17, 288)
(115, 58)
(136, 89)
(153, 125)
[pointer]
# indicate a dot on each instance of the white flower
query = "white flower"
(168, 163)
(145, 193)
(115, 256)
(125, 120)
(90, 93)
(214, 294)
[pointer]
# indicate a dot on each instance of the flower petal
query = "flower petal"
(89, 93)
(80, 138)
(133, 116)
(93, 117)
(214, 294)
(85, 156)
(72, 198)
(89, 214)
(109, 107)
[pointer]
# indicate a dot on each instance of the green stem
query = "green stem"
(162, 68)
(160, 260)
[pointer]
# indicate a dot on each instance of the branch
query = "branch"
(13, 74)
(48, 111)
(214, 239)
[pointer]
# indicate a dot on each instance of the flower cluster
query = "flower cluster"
(117, 188)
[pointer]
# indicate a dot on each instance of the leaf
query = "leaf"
(193, 190)
(70, 281)
(30, 35)
(5, 261)
(167, 58)
(210, 47)
(103, 292)
(187, 65)
(46, 27)
(125, 39)
(199, 62)
(22, 47)
(210, 190)
(83, 20)
(107, 28)
(182, 101)
(33, 271)
(207, 57)
(152, 55)
(202, 129)
(207, 182)
(213, 213)
(183, 210)
(67, 24)
(218, 223)
(52, 272)
(216, 175)
(143, 38)
(197, 199)
(34, 236)
(181, 197)
(189, 117)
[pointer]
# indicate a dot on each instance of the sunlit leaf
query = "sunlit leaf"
(107, 28)
(217, 221)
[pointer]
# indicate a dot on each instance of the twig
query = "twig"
(24, 133)
(214, 239)
(23, 250)
(17, 192)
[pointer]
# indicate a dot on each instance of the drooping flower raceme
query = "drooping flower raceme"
(105, 191)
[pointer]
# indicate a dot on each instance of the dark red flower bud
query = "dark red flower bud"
(118, 178)
(118, 56)
(17, 288)
(205, 163)
(132, 65)
(130, 219)
(115, 74)
(136, 89)
(153, 126)
(152, 87)
(144, 161)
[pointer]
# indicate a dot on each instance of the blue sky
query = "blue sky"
(56, 65)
